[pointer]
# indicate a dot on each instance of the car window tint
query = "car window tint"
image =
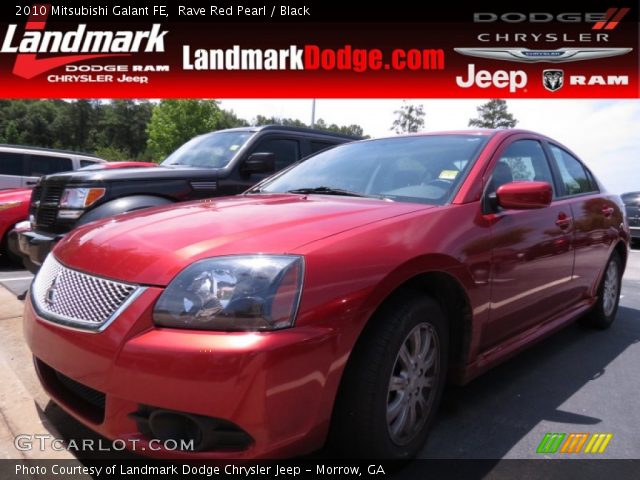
(287, 151)
(574, 176)
(11, 163)
(319, 146)
(86, 163)
(44, 165)
(523, 160)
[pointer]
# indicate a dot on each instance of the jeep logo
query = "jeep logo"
(514, 80)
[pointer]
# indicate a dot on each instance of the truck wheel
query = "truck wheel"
(393, 382)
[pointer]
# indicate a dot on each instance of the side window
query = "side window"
(44, 165)
(319, 146)
(287, 151)
(86, 163)
(11, 164)
(523, 160)
(574, 177)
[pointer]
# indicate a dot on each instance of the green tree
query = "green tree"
(493, 114)
(173, 122)
(409, 118)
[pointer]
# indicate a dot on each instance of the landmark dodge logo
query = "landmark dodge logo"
(92, 43)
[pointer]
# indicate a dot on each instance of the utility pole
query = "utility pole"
(313, 113)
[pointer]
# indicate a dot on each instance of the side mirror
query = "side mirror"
(524, 195)
(260, 162)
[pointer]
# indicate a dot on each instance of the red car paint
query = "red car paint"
(15, 214)
(525, 273)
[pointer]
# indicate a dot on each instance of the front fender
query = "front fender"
(122, 205)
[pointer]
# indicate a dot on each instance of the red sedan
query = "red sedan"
(330, 302)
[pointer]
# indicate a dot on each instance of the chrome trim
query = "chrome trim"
(71, 324)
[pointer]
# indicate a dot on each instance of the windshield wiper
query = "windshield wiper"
(328, 191)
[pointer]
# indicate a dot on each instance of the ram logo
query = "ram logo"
(552, 79)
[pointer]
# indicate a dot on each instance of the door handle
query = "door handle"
(607, 211)
(563, 221)
(33, 182)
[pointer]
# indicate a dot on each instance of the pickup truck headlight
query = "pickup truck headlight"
(80, 197)
(253, 292)
(8, 205)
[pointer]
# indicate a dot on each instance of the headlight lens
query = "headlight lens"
(256, 292)
(80, 197)
(8, 205)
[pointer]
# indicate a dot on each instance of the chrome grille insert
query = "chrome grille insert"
(78, 300)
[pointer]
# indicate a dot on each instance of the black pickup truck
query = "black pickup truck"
(226, 162)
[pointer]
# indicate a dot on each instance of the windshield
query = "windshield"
(423, 169)
(214, 150)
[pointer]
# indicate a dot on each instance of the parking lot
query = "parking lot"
(578, 380)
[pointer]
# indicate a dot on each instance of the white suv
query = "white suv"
(20, 167)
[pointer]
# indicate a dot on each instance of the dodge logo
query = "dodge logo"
(553, 79)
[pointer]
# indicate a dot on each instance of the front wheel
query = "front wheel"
(393, 382)
(606, 307)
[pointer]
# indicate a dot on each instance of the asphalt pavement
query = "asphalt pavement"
(577, 381)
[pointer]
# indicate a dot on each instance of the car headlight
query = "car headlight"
(252, 292)
(8, 205)
(80, 197)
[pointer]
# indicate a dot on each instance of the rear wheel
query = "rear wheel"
(393, 382)
(606, 307)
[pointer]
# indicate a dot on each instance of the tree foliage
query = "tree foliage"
(409, 118)
(353, 130)
(124, 129)
(493, 114)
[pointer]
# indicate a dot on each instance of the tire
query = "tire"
(8, 257)
(368, 396)
(604, 311)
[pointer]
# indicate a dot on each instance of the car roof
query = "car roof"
(54, 151)
(284, 128)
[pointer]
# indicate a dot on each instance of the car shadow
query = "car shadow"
(488, 417)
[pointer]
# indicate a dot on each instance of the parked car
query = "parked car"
(221, 163)
(14, 208)
(632, 205)
(21, 167)
(331, 301)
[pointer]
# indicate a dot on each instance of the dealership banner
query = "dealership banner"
(194, 49)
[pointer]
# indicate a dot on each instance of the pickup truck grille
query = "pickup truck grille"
(633, 214)
(79, 300)
(48, 198)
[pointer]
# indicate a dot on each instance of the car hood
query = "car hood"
(132, 174)
(151, 246)
(15, 195)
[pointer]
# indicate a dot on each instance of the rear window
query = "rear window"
(575, 178)
(11, 163)
(319, 146)
(44, 165)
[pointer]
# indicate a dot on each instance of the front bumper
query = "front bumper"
(36, 245)
(274, 386)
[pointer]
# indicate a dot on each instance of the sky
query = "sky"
(604, 133)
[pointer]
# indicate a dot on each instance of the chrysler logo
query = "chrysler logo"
(551, 56)
(50, 294)
(552, 79)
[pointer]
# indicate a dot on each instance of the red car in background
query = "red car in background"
(331, 301)
(14, 208)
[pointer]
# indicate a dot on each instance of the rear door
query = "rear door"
(531, 254)
(40, 165)
(595, 218)
(12, 169)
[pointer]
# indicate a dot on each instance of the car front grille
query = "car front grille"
(633, 214)
(47, 199)
(92, 397)
(78, 300)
